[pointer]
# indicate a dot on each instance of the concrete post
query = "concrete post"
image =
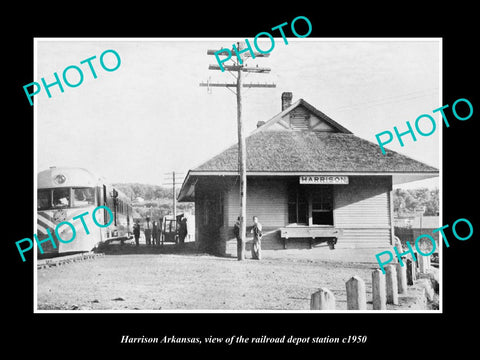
(379, 291)
(392, 286)
(356, 294)
(401, 279)
(323, 299)
(411, 272)
(416, 263)
(424, 264)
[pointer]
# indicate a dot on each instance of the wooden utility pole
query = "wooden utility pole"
(173, 183)
(174, 198)
(240, 67)
(242, 167)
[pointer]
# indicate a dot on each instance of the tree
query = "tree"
(408, 200)
(399, 200)
(432, 205)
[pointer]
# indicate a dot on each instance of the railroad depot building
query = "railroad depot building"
(309, 181)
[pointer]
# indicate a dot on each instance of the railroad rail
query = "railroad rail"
(62, 260)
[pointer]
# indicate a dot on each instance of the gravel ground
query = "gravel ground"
(132, 278)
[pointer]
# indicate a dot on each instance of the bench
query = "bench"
(331, 234)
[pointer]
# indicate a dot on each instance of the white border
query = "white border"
(112, 311)
(35, 171)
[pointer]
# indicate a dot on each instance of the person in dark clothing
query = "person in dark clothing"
(236, 232)
(160, 226)
(155, 233)
(136, 232)
(147, 229)
(182, 231)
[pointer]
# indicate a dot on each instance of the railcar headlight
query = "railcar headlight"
(59, 179)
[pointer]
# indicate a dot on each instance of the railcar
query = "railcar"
(64, 194)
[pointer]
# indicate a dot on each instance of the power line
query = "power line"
(174, 194)
(240, 67)
(386, 100)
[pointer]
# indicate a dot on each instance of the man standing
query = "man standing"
(148, 230)
(136, 232)
(236, 232)
(257, 239)
(182, 231)
(155, 233)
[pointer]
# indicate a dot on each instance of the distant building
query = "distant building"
(426, 222)
(416, 226)
(306, 175)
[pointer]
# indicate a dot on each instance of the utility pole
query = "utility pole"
(174, 195)
(240, 67)
(174, 198)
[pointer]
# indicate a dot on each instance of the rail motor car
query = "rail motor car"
(66, 192)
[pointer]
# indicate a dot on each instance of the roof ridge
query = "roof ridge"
(273, 120)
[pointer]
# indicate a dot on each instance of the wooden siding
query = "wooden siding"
(362, 210)
(209, 221)
(301, 119)
(364, 238)
(266, 198)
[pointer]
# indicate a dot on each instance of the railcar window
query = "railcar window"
(61, 198)
(44, 199)
(83, 197)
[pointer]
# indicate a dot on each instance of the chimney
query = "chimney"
(286, 100)
(260, 123)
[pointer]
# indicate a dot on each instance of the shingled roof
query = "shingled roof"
(303, 140)
(309, 151)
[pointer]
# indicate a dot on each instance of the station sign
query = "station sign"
(324, 179)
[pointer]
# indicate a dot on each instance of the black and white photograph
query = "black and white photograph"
(292, 222)
(207, 180)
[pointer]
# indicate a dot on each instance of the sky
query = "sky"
(150, 116)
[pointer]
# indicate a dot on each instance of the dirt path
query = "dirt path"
(195, 282)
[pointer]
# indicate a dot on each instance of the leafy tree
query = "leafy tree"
(432, 205)
(405, 201)
(158, 199)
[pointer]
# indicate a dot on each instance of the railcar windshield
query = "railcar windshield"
(58, 198)
(83, 197)
(44, 199)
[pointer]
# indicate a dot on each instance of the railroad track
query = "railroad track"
(62, 260)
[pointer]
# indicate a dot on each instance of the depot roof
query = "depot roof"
(301, 141)
(305, 151)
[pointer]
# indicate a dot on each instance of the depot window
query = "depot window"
(322, 205)
(297, 204)
(310, 204)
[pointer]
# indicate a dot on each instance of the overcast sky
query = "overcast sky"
(150, 116)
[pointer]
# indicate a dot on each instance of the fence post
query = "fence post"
(411, 272)
(323, 299)
(417, 264)
(379, 292)
(401, 278)
(392, 287)
(356, 294)
(424, 264)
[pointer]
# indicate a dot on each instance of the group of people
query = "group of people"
(153, 231)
